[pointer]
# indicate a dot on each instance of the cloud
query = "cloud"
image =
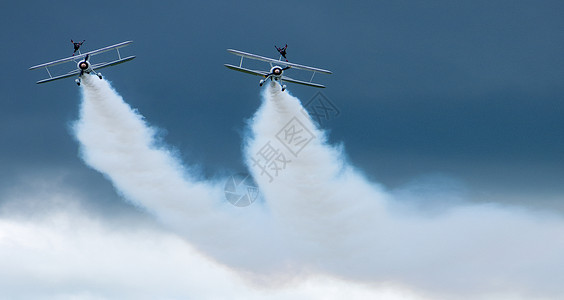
(69, 253)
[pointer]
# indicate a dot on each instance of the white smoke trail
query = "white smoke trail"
(316, 198)
(117, 142)
(354, 228)
(322, 215)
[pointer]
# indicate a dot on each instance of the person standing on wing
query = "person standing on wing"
(76, 46)
(282, 51)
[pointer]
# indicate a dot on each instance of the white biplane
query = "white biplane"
(277, 68)
(83, 65)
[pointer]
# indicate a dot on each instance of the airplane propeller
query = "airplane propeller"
(85, 61)
(273, 72)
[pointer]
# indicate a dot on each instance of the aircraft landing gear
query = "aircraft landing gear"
(99, 75)
(283, 87)
(77, 82)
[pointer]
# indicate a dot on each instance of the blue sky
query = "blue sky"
(440, 94)
(468, 90)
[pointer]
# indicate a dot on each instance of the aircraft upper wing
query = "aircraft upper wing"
(278, 62)
(78, 57)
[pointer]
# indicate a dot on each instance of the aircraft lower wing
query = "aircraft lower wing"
(284, 78)
(69, 74)
(248, 71)
(94, 67)
(288, 79)
(278, 62)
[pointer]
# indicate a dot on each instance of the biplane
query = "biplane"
(277, 68)
(83, 64)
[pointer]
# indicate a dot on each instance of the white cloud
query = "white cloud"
(67, 253)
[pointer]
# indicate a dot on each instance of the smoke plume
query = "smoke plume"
(320, 214)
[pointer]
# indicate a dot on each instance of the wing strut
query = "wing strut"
(50, 76)
(241, 62)
(313, 74)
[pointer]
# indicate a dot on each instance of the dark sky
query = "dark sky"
(472, 92)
